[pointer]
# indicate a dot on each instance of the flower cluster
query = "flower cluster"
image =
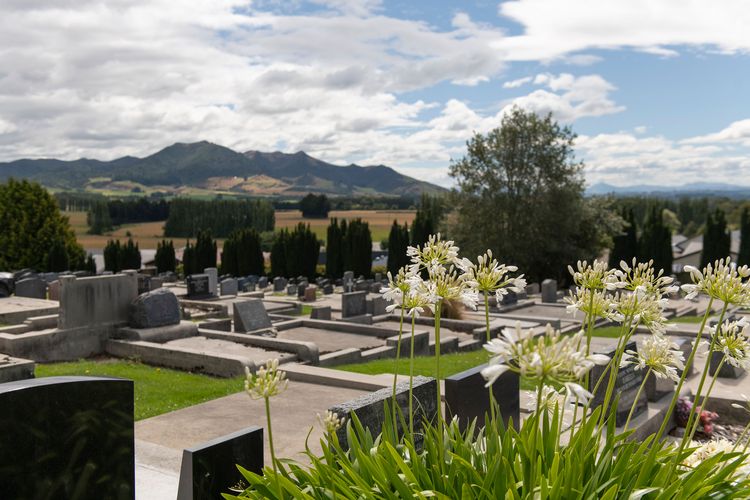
(660, 355)
(267, 382)
(721, 281)
(593, 303)
(489, 276)
(547, 358)
(597, 276)
(731, 339)
(331, 422)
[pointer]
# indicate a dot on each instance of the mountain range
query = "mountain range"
(204, 167)
(692, 189)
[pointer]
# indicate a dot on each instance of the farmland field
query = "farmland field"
(148, 234)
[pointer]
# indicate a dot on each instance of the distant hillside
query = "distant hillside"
(692, 189)
(205, 167)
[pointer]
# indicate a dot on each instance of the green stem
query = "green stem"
(411, 380)
(698, 392)
(270, 444)
(438, 308)
(742, 436)
(705, 398)
(622, 342)
(395, 371)
(535, 429)
(637, 397)
(489, 338)
(590, 326)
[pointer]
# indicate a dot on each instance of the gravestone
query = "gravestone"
(198, 286)
(685, 344)
(262, 282)
(279, 284)
(301, 289)
(249, 316)
(67, 438)
(370, 408)
(241, 282)
(249, 287)
(353, 304)
(532, 288)
(510, 298)
(656, 387)
(144, 283)
(209, 469)
(311, 293)
(35, 288)
(291, 289)
(49, 277)
(467, 398)
(362, 286)
(213, 279)
(228, 287)
(378, 277)
(727, 370)
(53, 290)
(376, 306)
(348, 276)
(327, 289)
(375, 287)
(627, 382)
(323, 313)
(154, 309)
(156, 282)
(549, 291)
(349, 287)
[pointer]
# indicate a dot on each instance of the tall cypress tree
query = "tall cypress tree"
(625, 244)
(205, 251)
(656, 241)
(189, 264)
(278, 254)
(57, 258)
(358, 248)
(165, 257)
(229, 255)
(716, 238)
(112, 256)
(335, 249)
(743, 258)
(398, 241)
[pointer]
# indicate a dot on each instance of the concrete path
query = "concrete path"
(161, 439)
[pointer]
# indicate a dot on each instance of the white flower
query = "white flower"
(595, 303)
(549, 401)
(596, 276)
(489, 276)
(437, 255)
(660, 355)
(492, 372)
(575, 392)
(641, 276)
(331, 422)
(267, 382)
(732, 340)
(721, 281)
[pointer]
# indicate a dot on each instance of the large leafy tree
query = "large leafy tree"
(32, 227)
(520, 193)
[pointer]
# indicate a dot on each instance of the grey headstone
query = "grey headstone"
(532, 288)
(467, 398)
(685, 345)
(53, 290)
(156, 282)
(35, 288)
(249, 316)
(549, 291)
(291, 289)
(323, 313)
(328, 289)
(370, 408)
(228, 287)
(301, 289)
(262, 282)
(209, 469)
(353, 304)
(378, 277)
(198, 286)
(144, 283)
(249, 287)
(213, 279)
(510, 298)
(67, 437)
(348, 276)
(153, 309)
(279, 284)
(627, 383)
(311, 293)
(376, 306)
(727, 370)
(375, 287)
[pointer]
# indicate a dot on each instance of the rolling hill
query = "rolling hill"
(208, 167)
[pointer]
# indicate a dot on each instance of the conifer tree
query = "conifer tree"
(625, 244)
(205, 251)
(358, 248)
(90, 265)
(398, 241)
(716, 238)
(189, 264)
(57, 258)
(278, 254)
(112, 256)
(165, 256)
(656, 241)
(744, 254)
(335, 249)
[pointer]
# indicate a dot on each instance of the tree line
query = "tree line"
(221, 217)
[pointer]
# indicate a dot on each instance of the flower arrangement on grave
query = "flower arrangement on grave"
(567, 447)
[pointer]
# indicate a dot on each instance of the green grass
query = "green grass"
(688, 319)
(610, 332)
(450, 364)
(157, 390)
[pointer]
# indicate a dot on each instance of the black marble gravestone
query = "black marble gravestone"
(210, 469)
(467, 398)
(198, 286)
(627, 383)
(68, 438)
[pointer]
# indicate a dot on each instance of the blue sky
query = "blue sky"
(656, 91)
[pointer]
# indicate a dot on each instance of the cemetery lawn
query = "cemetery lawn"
(687, 319)
(157, 390)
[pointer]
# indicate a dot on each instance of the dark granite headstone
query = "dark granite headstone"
(549, 291)
(376, 306)
(685, 344)
(291, 289)
(727, 370)
(249, 287)
(279, 284)
(198, 286)
(228, 286)
(510, 298)
(262, 282)
(327, 289)
(152, 309)
(67, 437)
(321, 313)
(627, 382)
(353, 304)
(35, 288)
(210, 469)
(301, 289)
(250, 315)
(370, 408)
(144, 283)
(467, 397)
(656, 388)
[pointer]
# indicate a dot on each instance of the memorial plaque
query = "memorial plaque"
(323, 313)
(210, 469)
(262, 282)
(627, 382)
(250, 315)
(467, 398)
(549, 291)
(198, 286)
(353, 304)
(67, 438)
(35, 288)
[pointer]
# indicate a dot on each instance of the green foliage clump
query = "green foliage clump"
(427, 220)
(295, 253)
(315, 206)
(165, 259)
(32, 227)
(743, 258)
(521, 194)
(118, 257)
(196, 258)
(358, 248)
(398, 241)
(187, 217)
(656, 241)
(716, 238)
(242, 254)
(335, 248)
(98, 218)
(625, 244)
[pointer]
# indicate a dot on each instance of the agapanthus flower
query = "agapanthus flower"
(489, 276)
(421, 296)
(549, 401)
(595, 276)
(331, 422)
(704, 451)
(641, 276)
(732, 340)
(659, 354)
(643, 308)
(398, 286)
(450, 285)
(550, 357)
(594, 303)
(266, 382)
(436, 256)
(721, 281)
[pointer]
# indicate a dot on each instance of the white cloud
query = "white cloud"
(517, 83)
(553, 29)
(736, 133)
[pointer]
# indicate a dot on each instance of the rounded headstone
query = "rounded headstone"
(154, 309)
